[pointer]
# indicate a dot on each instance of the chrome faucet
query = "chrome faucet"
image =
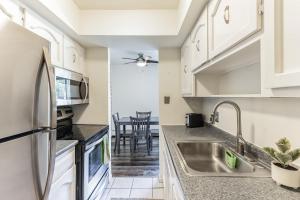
(240, 147)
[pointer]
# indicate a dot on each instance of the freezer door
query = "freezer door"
(21, 56)
(17, 174)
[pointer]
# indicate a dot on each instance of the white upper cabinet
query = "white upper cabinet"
(12, 11)
(199, 41)
(74, 56)
(50, 33)
(187, 87)
(284, 69)
(231, 21)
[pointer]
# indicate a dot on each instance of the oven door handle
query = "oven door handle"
(90, 146)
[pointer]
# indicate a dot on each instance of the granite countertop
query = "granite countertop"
(64, 145)
(220, 188)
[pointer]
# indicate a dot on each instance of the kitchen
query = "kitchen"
(234, 62)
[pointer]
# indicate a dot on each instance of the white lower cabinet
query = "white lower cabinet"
(64, 178)
(65, 187)
(172, 188)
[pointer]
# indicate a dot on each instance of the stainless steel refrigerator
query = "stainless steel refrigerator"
(27, 114)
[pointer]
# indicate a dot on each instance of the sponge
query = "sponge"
(230, 159)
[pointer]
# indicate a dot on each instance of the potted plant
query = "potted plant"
(283, 171)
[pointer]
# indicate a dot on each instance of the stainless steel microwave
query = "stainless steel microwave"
(71, 88)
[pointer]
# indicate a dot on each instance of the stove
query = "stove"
(92, 153)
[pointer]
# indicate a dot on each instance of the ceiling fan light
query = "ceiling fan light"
(141, 63)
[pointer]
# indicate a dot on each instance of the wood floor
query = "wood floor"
(135, 164)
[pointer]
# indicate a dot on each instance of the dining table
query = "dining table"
(125, 121)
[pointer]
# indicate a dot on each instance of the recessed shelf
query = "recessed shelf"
(236, 75)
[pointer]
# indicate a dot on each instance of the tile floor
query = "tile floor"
(134, 187)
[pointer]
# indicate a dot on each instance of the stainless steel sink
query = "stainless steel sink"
(207, 158)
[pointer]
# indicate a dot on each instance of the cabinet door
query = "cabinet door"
(200, 42)
(166, 177)
(231, 21)
(37, 25)
(65, 187)
(73, 56)
(11, 10)
(186, 74)
(285, 72)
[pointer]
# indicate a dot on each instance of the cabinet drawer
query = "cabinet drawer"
(231, 21)
(63, 163)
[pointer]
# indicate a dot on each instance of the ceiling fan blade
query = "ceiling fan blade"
(129, 63)
(147, 57)
(152, 61)
(129, 58)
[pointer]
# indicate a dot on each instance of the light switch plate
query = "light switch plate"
(167, 99)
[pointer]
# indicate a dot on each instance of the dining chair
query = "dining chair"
(140, 130)
(117, 130)
(143, 114)
(119, 133)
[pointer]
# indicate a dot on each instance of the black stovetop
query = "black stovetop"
(84, 133)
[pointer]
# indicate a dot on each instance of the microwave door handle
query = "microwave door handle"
(86, 90)
(45, 62)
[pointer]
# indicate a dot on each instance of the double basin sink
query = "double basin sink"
(207, 158)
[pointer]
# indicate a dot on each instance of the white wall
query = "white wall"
(264, 120)
(134, 89)
(96, 112)
(170, 85)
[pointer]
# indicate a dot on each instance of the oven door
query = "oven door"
(94, 166)
(71, 87)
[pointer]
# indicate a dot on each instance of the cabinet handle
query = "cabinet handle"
(4, 10)
(198, 45)
(184, 69)
(196, 32)
(226, 15)
(74, 58)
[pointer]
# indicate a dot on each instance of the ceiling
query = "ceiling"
(116, 55)
(127, 4)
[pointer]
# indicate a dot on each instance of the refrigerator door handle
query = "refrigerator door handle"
(43, 193)
(53, 123)
(51, 164)
(51, 79)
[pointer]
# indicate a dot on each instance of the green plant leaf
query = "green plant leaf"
(284, 158)
(283, 145)
(295, 154)
(271, 151)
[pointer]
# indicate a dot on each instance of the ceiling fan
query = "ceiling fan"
(141, 60)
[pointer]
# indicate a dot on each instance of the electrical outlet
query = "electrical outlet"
(167, 99)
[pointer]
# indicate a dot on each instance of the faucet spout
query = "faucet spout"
(239, 136)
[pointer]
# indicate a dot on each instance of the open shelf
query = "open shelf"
(237, 75)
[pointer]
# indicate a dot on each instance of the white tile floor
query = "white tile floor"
(134, 187)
